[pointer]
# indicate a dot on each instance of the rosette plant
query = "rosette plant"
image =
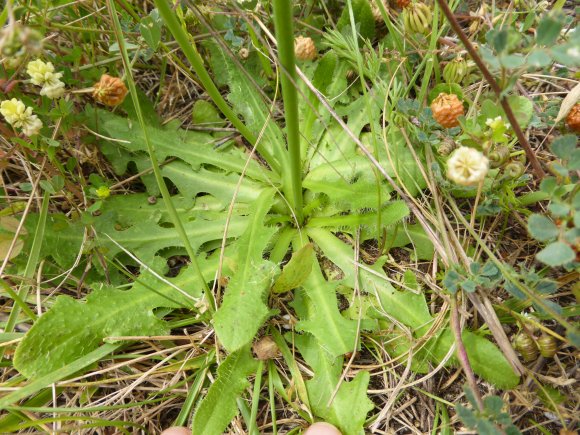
(277, 227)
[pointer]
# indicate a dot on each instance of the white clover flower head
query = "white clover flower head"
(20, 116)
(32, 126)
(53, 90)
(467, 166)
(42, 74)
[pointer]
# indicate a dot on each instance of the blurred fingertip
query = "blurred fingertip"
(322, 428)
(176, 431)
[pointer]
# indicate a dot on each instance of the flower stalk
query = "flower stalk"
(285, 38)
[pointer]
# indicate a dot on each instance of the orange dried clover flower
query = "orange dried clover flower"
(447, 109)
(304, 48)
(402, 3)
(110, 91)
(573, 118)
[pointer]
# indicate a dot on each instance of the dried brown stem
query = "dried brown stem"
(496, 88)
(462, 353)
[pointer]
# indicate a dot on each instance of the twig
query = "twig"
(462, 353)
(495, 86)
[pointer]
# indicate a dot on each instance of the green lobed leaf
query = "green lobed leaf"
(335, 182)
(350, 405)
(138, 226)
(392, 213)
(71, 329)
(244, 308)
(296, 270)
(245, 98)
(324, 321)
(405, 306)
(335, 147)
(217, 183)
(411, 310)
(194, 148)
(218, 407)
(414, 235)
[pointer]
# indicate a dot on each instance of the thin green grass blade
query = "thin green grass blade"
(58, 375)
(198, 65)
(31, 264)
(154, 163)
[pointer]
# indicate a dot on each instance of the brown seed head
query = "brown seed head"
(573, 118)
(304, 48)
(447, 109)
(110, 91)
(266, 349)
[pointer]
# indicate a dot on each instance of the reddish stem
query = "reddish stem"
(496, 88)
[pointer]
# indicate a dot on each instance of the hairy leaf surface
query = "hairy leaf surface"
(405, 306)
(324, 321)
(141, 228)
(218, 407)
(244, 308)
(194, 148)
(350, 405)
(72, 329)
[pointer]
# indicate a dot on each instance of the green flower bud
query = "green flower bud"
(514, 170)
(417, 18)
(526, 346)
(456, 70)
(499, 156)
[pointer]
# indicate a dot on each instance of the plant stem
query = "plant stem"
(462, 353)
(496, 88)
(197, 64)
(285, 38)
